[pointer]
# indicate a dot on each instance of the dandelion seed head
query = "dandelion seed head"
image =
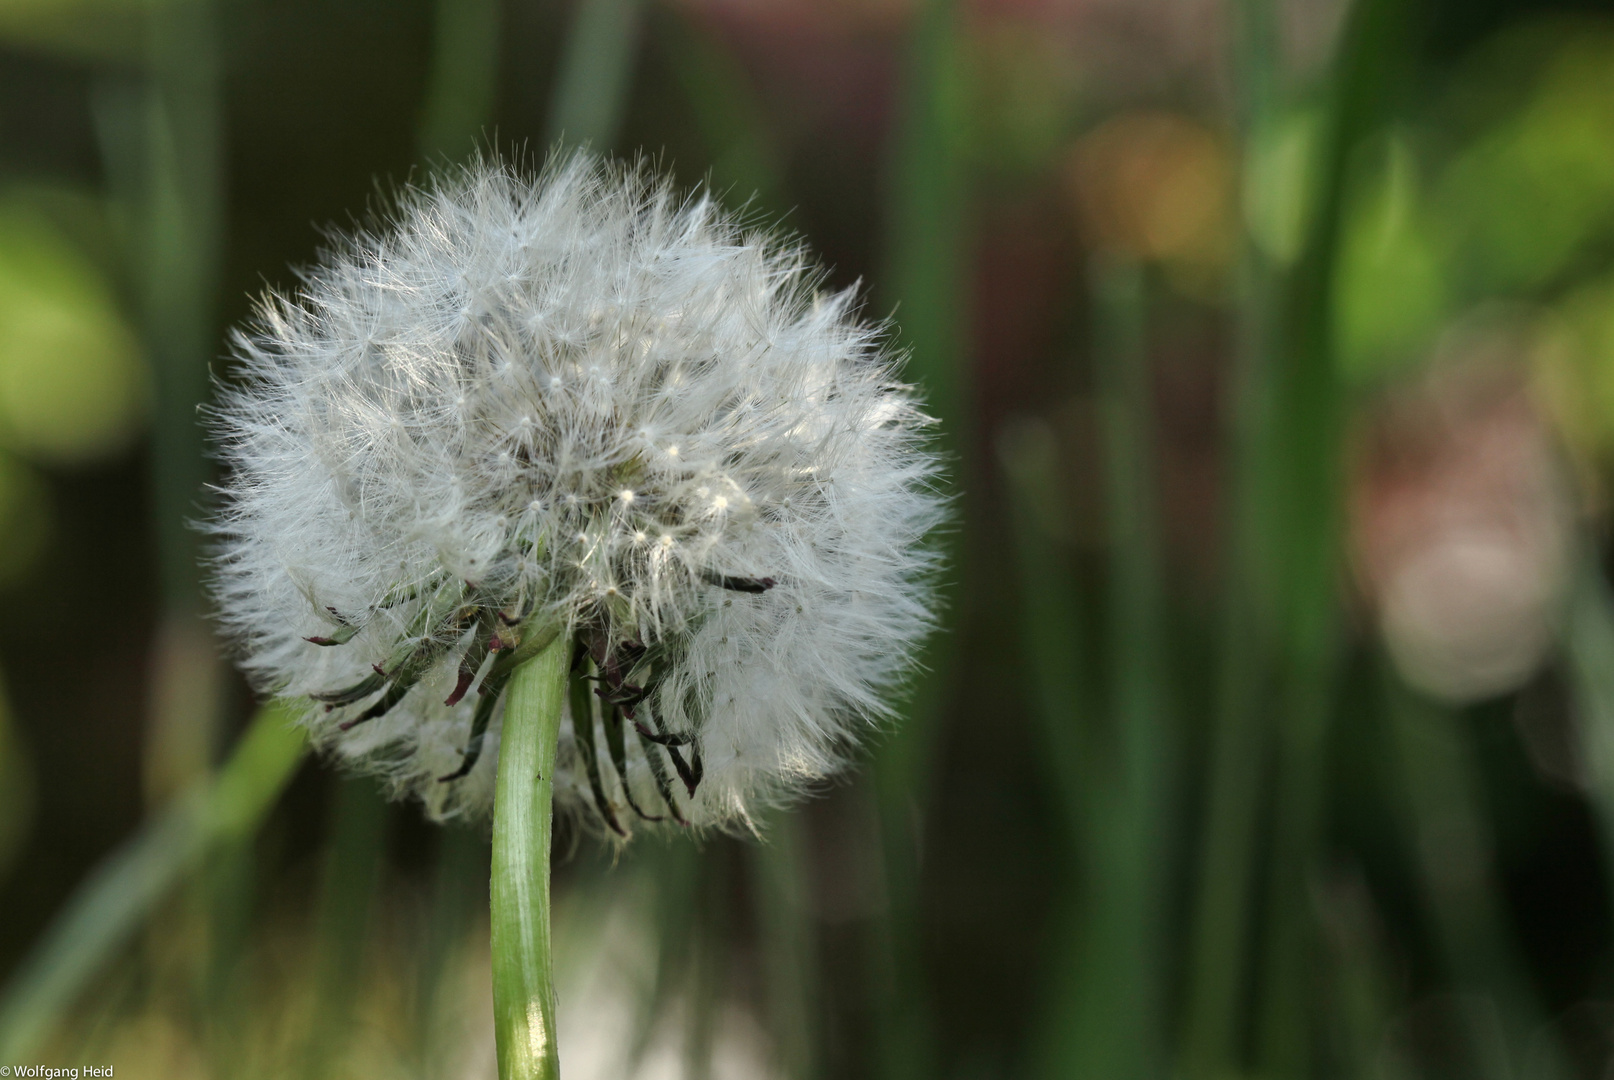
(449, 436)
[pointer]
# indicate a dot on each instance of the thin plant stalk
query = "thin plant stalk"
(1107, 1017)
(780, 873)
(120, 893)
(1362, 998)
(1057, 647)
(348, 887)
(1133, 852)
(161, 145)
(1287, 524)
(181, 206)
(926, 257)
(1589, 659)
(1219, 930)
(464, 79)
(703, 974)
(586, 109)
(523, 821)
(675, 869)
(459, 880)
(926, 276)
(173, 184)
(1053, 636)
(1451, 841)
(596, 73)
(1589, 644)
(1306, 516)
(731, 119)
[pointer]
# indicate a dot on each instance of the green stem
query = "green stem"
(523, 987)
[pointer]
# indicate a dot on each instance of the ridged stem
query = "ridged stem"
(523, 818)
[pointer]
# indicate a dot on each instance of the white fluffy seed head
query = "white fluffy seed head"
(576, 401)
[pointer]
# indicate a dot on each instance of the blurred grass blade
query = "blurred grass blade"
(1125, 1018)
(675, 868)
(464, 79)
(348, 887)
(596, 74)
(17, 787)
(1107, 1014)
(1057, 648)
(708, 961)
(926, 280)
(1452, 843)
(161, 144)
(459, 893)
(1589, 643)
(1280, 618)
(179, 193)
(780, 878)
(1305, 514)
(927, 256)
(1362, 992)
(1217, 975)
(111, 903)
(1052, 634)
(742, 150)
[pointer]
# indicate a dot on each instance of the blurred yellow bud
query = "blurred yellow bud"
(1159, 186)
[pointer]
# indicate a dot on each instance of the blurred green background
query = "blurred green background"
(1272, 733)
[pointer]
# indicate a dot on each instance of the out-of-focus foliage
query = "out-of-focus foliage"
(1535, 189)
(102, 29)
(16, 788)
(72, 381)
(25, 525)
(1235, 288)
(1158, 186)
(1390, 288)
(1575, 364)
(1027, 94)
(1278, 183)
